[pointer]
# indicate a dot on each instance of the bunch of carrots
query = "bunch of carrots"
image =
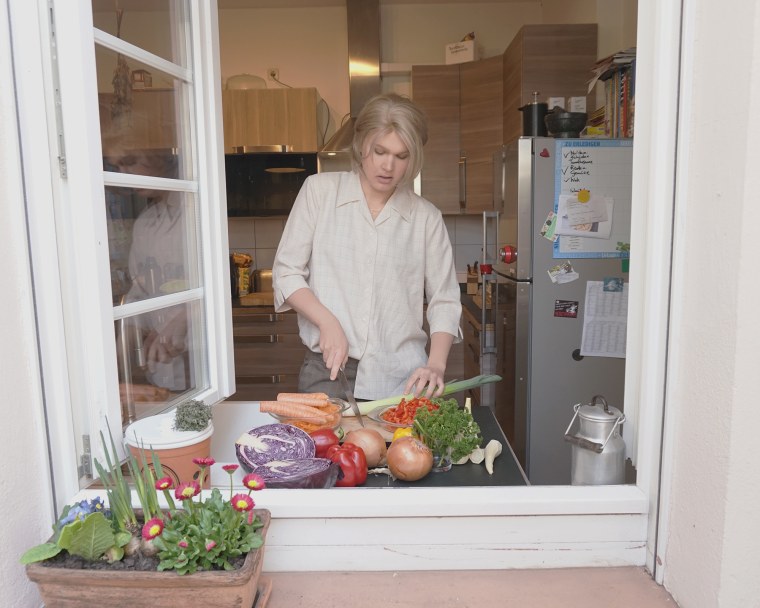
(405, 411)
(308, 411)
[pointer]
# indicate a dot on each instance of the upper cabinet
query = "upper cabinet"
(463, 104)
(555, 60)
(473, 108)
(262, 117)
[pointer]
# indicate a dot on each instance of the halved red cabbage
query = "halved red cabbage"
(276, 441)
(301, 473)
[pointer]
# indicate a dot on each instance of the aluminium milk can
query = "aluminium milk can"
(598, 449)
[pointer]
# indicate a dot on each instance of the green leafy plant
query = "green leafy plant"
(205, 534)
(208, 534)
(447, 428)
(192, 415)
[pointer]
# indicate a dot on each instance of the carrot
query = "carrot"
(287, 396)
(292, 410)
(313, 401)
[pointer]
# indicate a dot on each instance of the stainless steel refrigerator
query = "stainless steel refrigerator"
(540, 320)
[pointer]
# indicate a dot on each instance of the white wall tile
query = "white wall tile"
(466, 254)
(240, 232)
(268, 232)
(264, 257)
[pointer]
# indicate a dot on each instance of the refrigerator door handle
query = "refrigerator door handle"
(462, 183)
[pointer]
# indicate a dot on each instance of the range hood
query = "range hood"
(363, 21)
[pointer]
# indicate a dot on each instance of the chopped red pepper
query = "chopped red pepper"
(323, 439)
(352, 463)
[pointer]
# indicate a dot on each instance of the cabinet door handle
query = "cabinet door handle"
(270, 339)
(274, 379)
(462, 183)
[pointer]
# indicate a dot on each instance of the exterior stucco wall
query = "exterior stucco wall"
(25, 508)
(712, 549)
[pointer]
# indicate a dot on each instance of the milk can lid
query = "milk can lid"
(599, 411)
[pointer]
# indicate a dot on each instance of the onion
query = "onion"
(409, 459)
(372, 444)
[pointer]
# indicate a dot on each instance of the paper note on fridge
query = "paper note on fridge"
(605, 321)
(592, 219)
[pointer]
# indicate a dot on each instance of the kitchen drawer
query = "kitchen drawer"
(279, 353)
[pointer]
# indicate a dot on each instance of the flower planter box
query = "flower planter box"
(65, 588)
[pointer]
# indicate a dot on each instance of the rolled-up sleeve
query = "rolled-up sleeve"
(290, 271)
(444, 309)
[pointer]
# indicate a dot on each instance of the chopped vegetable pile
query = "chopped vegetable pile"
(405, 411)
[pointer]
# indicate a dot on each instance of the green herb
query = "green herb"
(192, 415)
(448, 428)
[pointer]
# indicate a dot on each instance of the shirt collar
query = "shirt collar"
(350, 191)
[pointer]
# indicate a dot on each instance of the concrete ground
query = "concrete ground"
(627, 587)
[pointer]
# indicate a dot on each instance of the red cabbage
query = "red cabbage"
(301, 473)
(276, 441)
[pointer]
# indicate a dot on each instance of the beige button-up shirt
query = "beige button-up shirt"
(374, 276)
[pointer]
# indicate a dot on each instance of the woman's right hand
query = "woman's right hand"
(333, 344)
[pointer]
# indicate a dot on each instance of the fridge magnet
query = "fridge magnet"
(549, 226)
(544, 153)
(566, 308)
(584, 196)
(612, 284)
(562, 273)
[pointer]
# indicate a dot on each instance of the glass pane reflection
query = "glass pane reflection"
(152, 242)
(150, 120)
(157, 26)
(160, 358)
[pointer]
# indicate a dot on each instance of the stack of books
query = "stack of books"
(618, 72)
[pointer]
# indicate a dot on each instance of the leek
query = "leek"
(453, 387)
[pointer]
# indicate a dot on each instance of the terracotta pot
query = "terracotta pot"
(64, 588)
(175, 449)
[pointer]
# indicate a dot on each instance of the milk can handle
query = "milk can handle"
(585, 443)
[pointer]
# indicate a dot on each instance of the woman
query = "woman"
(359, 257)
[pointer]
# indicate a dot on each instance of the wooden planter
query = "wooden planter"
(65, 588)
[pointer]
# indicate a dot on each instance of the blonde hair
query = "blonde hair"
(391, 113)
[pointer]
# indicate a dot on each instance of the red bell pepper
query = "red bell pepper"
(352, 463)
(323, 439)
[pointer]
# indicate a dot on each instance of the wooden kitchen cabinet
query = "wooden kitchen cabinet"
(262, 117)
(268, 353)
(463, 104)
(555, 60)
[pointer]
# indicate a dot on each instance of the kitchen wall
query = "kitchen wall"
(309, 47)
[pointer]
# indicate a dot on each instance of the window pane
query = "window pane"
(153, 243)
(144, 120)
(161, 358)
(146, 24)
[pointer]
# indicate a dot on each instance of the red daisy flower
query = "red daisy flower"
(187, 489)
(210, 545)
(242, 502)
(165, 483)
(204, 462)
(182, 544)
(253, 482)
(230, 468)
(152, 528)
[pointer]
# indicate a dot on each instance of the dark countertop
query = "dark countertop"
(506, 469)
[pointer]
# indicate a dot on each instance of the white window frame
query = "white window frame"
(536, 518)
(80, 372)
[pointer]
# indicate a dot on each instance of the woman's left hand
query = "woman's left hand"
(425, 379)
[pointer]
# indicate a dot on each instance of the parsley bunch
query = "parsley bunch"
(448, 428)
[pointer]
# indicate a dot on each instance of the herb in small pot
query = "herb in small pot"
(448, 427)
(192, 415)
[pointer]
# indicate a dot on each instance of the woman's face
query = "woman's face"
(384, 162)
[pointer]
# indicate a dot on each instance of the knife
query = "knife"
(350, 395)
